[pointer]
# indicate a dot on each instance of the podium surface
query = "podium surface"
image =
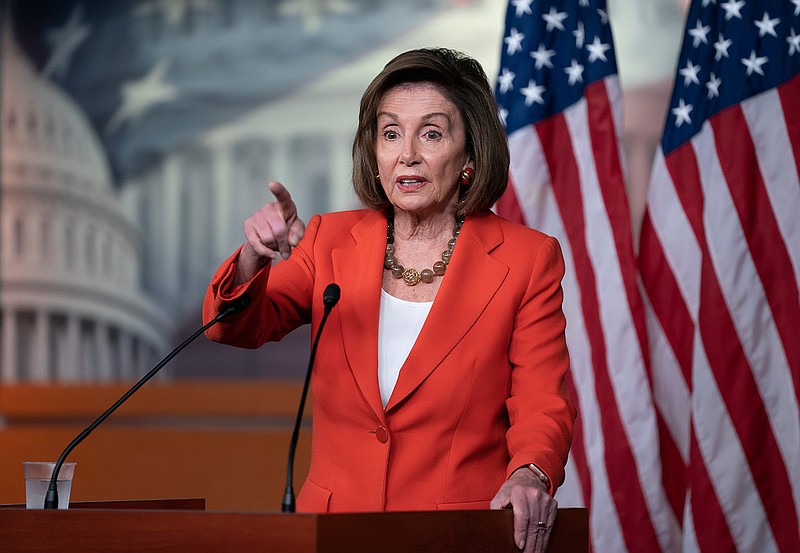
(91, 530)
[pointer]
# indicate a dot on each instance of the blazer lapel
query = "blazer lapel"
(457, 305)
(357, 268)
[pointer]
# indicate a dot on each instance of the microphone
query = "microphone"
(236, 306)
(330, 297)
(232, 308)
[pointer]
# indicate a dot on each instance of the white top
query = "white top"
(398, 327)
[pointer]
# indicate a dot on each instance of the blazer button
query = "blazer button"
(382, 434)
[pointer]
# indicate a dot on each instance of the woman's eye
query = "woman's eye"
(391, 135)
(432, 135)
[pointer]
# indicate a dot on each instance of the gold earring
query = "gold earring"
(466, 176)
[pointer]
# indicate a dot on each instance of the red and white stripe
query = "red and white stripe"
(720, 269)
(566, 180)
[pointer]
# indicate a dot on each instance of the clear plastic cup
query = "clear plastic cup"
(37, 480)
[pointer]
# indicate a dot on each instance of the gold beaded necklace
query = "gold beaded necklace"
(411, 276)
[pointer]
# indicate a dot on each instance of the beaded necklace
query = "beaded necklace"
(411, 276)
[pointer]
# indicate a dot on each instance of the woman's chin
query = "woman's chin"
(419, 205)
(419, 209)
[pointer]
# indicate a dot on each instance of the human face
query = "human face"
(421, 149)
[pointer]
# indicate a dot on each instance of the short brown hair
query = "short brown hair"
(463, 81)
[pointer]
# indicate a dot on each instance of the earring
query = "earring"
(377, 177)
(466, 176)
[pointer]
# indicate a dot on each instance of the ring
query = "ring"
(541, 524)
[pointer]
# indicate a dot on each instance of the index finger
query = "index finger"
(283, 197)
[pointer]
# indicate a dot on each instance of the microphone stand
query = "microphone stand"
(330, 298)
(51, 498)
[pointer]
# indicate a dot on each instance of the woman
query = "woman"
(439, 381)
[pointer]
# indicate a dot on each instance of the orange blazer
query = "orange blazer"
(481, 394)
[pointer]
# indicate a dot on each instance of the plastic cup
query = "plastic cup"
(37, 480)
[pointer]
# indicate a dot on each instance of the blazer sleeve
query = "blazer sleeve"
(540, 412)
(280, 296)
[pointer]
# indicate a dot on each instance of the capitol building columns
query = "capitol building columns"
(38, 351)
(127, 370)
(167, 243)
(222, 207)
(102, 347)
(8, 340)
(71, 296)
(66, 351)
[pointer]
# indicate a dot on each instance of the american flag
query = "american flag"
(720, 267)
(559, 97)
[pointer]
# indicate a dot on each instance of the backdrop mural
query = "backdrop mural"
(138, 136)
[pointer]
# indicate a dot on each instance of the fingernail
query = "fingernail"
(285, 255)
(521, 544)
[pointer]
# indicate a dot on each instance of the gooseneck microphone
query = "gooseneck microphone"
(330, 297)
(232, 308)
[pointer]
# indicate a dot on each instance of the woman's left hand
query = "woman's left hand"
(528, 497)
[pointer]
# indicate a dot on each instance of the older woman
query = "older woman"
(440, 377)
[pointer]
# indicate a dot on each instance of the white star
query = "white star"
(542, 57)
(713, 85)
(522, 7)
(140, 96)
(707, 2)
(575, 72)
(554, 19)
(514, 41)
(504, 116)
(597, 50)
(579, 34)
(689, 73)
(699, 33)
(603, 16)
(506, 80)
(721, 46)
(681, 113)
(767, 26)
(64, 42)
(794, 42)
(754, 63)
(533, 93)
(585, 3)
(732, 8)
(796, 6)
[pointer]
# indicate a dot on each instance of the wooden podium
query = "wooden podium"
(183, 525)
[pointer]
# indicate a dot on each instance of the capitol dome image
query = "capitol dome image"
(72, 308)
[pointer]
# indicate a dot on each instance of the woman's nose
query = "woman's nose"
(409, 155)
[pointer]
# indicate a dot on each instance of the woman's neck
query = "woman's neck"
(412, 226)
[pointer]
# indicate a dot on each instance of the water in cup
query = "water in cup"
(37, 480)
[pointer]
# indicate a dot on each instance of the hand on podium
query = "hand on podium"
(534, 509)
